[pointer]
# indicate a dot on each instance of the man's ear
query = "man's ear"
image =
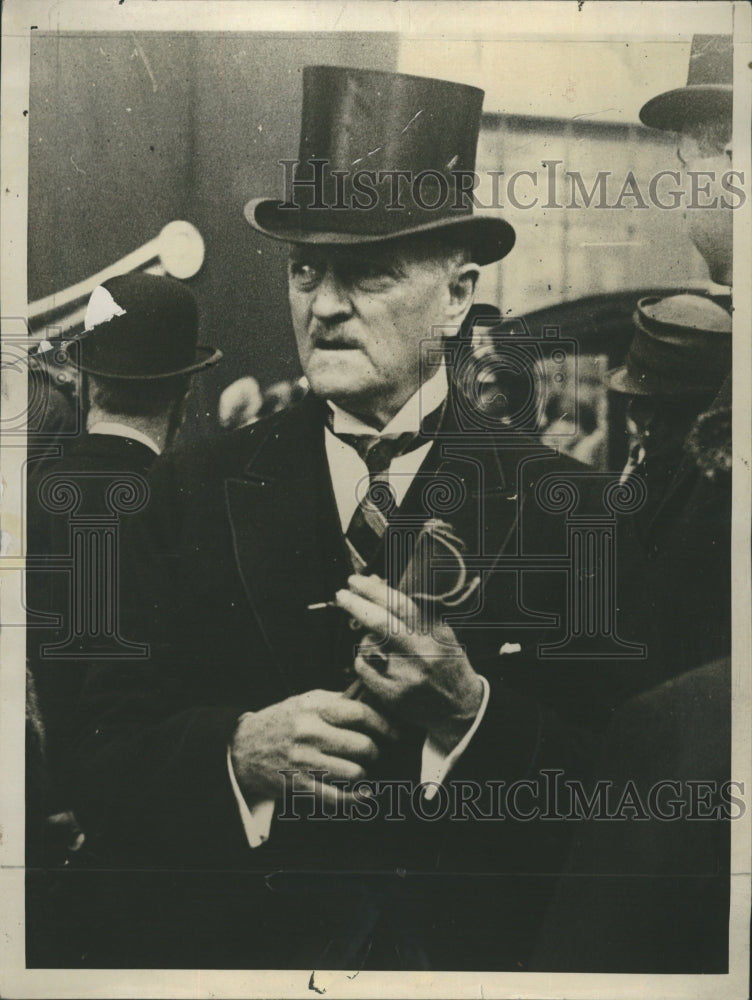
(462, 290)
(728, 153)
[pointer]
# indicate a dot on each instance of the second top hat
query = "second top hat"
(708, 93)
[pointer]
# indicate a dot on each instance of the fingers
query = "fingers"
(399, 620)
(372, 616)
(333, 771)
(364, 718)
(377, 683)
(314, 735)
(352, 715)
(380, 617)
(331, 780)
(335, 768)
(374, 589)
(296, 734)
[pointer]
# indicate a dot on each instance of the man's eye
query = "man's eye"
(304, 275)
(372, 269)
(372, 272)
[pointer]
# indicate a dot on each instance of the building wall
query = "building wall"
(130, 132)
(568, 250)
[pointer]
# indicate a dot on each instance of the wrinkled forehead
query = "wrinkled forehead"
(413, 251)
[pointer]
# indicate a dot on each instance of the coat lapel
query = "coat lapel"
(288, 546)
(472, 483)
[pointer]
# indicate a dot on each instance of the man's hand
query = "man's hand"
(415, 667)
(318, 730)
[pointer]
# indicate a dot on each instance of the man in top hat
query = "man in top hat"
(277, 774)
(652, 896)
(136, 357)
(700, 115)
(678, 372)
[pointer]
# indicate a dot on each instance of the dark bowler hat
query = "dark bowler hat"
(142, 326)
(681, 346)
(708, 94)
(358, 128)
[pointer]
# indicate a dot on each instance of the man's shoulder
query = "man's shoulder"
(91, 454)
(224, 455)
(656, 723)
(540, 459)
(561, 484)
(108, 452)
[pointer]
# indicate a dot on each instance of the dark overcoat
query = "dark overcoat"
(68, 490)
(72, 489)
(681, 601)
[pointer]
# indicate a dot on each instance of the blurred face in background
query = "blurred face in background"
(704, 152)
(661, 424)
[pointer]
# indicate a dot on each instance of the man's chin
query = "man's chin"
(339, 385)
(348, 397)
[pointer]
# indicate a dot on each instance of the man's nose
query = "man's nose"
(331, 298)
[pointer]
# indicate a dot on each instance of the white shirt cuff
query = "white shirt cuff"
(256, 818)
(435, 767)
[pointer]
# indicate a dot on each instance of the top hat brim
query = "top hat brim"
(204, 357)
(489, 238)
(674, 109)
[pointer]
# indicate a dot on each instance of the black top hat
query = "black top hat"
(142, 326)
(708, 94)
(681, 346)
(358, 128)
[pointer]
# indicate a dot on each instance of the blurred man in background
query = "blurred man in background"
(677, 364)
(136, 360)
(688, 507)
(239, 403)
(651, 894)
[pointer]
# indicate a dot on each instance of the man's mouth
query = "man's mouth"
(334, 344)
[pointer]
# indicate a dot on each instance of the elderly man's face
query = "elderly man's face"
(360, 314)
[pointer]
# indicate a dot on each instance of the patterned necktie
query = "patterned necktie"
(368, 524)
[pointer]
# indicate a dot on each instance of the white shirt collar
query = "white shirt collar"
(115, 429)
(428, 398)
